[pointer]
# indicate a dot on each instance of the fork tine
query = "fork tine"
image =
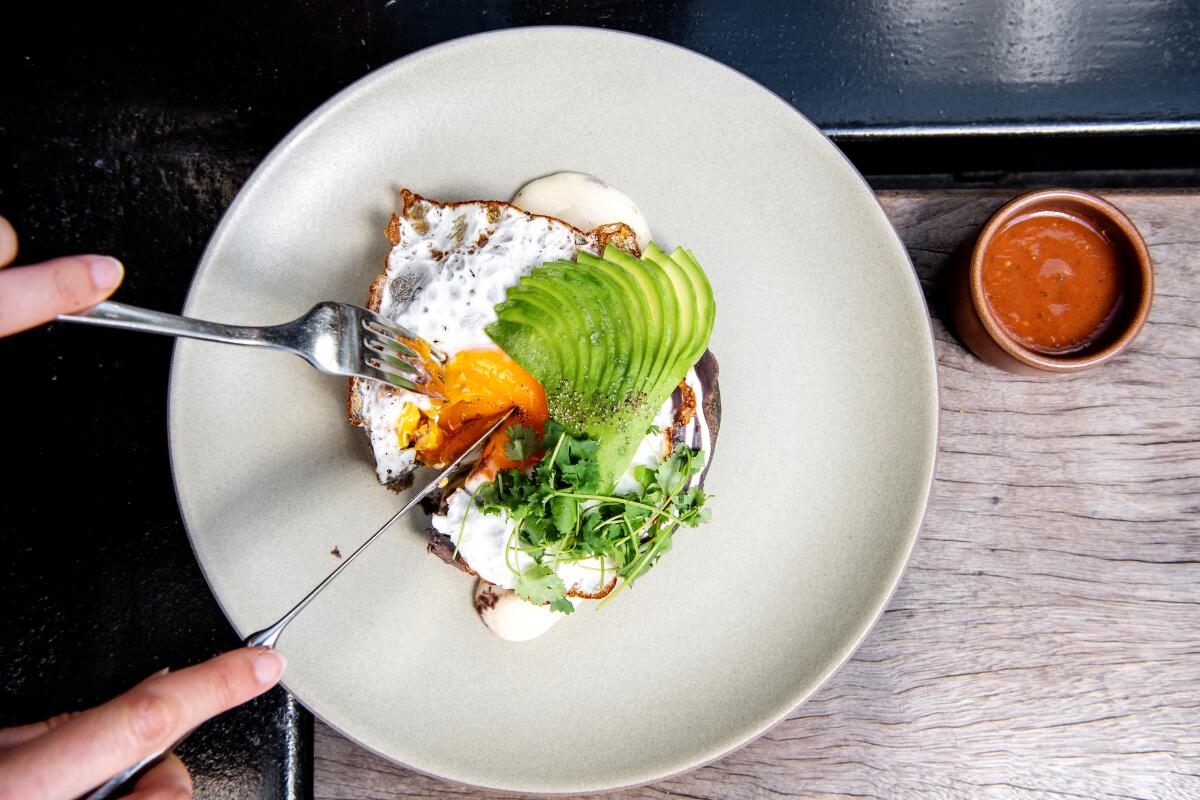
(372, 327)
(383, 360)
(417, 380)
(393, 328)
(376, 374)
(380, 349)
(387, 339)
(387, 372)
(388, 336)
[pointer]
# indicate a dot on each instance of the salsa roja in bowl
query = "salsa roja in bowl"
(1059, 280)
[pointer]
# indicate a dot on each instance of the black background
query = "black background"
(130, 134)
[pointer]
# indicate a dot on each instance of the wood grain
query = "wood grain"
(1045, 641)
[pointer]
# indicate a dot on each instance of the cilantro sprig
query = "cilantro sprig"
(523, 443)
(561, 514)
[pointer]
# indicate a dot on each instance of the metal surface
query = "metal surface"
(269, 635)
(1028, 67)
(336, 338)
(986, 129)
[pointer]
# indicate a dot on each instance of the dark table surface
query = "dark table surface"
(131, 135)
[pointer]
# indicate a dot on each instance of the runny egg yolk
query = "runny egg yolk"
(479, 386)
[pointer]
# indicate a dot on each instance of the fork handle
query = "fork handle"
(132, 318)
(133, 772)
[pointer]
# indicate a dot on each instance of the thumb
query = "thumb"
(35, 294)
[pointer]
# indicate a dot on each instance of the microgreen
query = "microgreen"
(560, 515)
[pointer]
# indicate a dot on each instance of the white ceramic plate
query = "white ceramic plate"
(821, 474)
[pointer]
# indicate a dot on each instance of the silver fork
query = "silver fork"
(337, 338)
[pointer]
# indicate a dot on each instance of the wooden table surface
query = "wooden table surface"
(1045, 640)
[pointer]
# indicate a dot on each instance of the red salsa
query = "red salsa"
(1053, 280)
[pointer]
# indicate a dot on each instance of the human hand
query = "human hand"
(38, 293)
(70, 754)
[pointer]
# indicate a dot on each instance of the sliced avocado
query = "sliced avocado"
(688, 308)
(556, 320)
(537, 309)
(637, 314)
(646, 287)
(609, 339)
(662, 290)
(706, 306)
(603, 338)
(575, 329)
(683, 268)
(525, 343)
(594, 348)
(611, 294)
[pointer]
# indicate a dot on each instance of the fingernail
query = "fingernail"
(269, 666)
(106, 272)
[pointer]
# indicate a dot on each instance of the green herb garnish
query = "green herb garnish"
(562, 516)
(540, 585)
(522, 443)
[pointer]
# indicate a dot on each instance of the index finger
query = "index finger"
(37, 293)
(90, 748)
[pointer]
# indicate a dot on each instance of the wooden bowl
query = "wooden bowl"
(988, 339)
